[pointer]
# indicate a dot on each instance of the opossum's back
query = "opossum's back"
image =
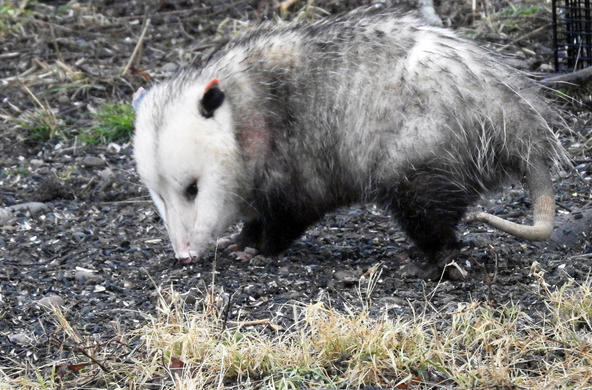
(375, 76)
(430, 84)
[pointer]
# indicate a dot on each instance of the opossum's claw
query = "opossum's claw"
(247, 254)
(441, 265)
(227, 241)
(187, 260)
(230, 243)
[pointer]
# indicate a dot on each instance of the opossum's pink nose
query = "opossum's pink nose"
(186, 255)
(187, 258)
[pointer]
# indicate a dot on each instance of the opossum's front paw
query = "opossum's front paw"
(444, 264)
(246, 254)
(424, 269)
(227, 241)
(234, 244)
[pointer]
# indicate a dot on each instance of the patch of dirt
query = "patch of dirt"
(97, 242)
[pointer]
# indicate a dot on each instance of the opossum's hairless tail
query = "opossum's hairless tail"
(540, 186)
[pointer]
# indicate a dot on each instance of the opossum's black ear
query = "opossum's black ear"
(212, 98)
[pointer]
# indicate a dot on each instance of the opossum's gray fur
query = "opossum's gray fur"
(372, 107)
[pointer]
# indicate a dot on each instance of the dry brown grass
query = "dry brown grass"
(476, 346)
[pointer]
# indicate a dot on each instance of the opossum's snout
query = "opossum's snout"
(186, 255)
(195, 217)
(189, 160)
(180, 226)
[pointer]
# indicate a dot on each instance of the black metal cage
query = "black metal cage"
(572, 34)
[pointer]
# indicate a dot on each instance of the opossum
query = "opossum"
(291, 121)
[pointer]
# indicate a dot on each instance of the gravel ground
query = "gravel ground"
(78, 229)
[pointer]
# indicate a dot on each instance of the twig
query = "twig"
(226, 308)
(66, 69)
(223, 10)
(82, 351)
(15, 108)
(116, 202)
(579, 75)
(161, 14)
(6, 117)
(10, 55)
(581, 257)
(41, 63)
(18, 76)
(527, 35)
(55, 43)
(137, 48)
(33, 97)
(23, 6)
(265, 322)
(67, 29)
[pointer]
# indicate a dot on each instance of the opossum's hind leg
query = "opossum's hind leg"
(429, 205)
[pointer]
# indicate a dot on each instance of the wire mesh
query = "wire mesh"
(572, 34)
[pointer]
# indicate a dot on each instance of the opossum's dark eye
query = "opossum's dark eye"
(211, 100)
(191, 191)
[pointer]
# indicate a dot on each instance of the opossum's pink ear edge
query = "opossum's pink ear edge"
(212, 83)
(212, 99)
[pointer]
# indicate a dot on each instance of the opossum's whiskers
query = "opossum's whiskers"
(244, 201)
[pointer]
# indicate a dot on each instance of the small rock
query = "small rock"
(63, 99)
(258, 261)
(547, 68)
(284, 271)
(20, 338)
(51, 188)
(572, 229)
(6, 216)
(583, 168)
(346, 277)
(391, 302)
(107, 175)
(50, 300)
(93, 162)
(113, 148)
(33, 208)
(520, 54)
(78, 236)
(170, 67)
(425, 271)
(254, 291)
(84, 275)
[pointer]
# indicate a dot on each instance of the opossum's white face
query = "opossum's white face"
(187, 156)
